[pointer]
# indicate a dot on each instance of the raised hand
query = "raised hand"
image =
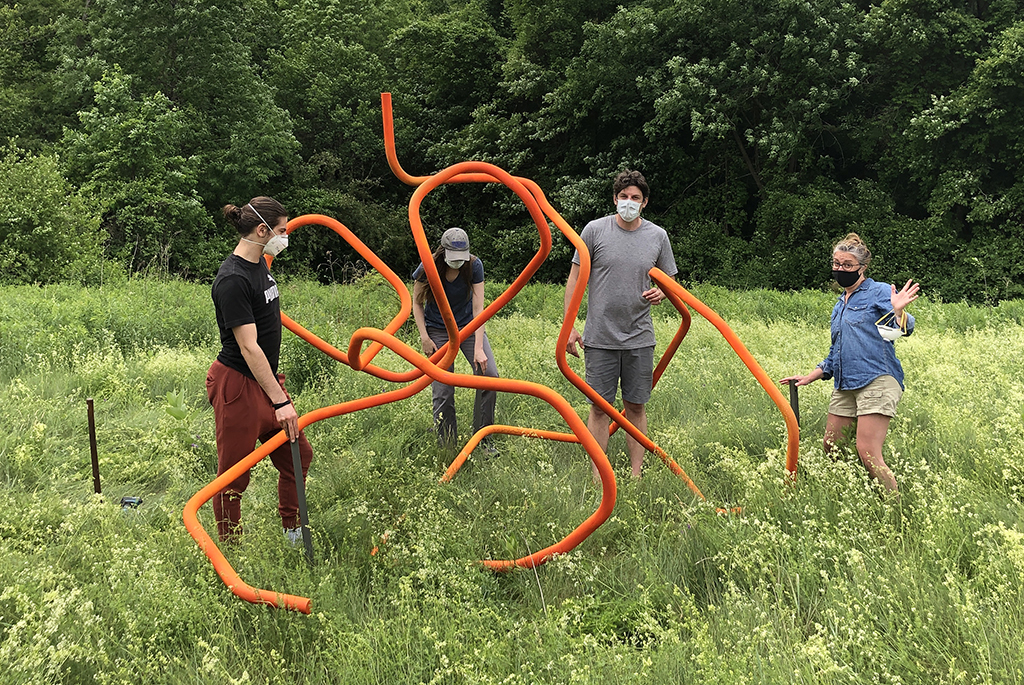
(900, 299)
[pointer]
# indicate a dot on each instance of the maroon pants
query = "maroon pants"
(243, 414)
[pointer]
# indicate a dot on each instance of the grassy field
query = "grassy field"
(819, 582)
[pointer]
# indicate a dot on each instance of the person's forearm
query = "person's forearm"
(478, 308)
(570, 287)
(264, 375)
(478, 339)
(815, 375)
(418, 317)
(418, 296)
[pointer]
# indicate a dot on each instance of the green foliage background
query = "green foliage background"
(767, 129)
(817, 582)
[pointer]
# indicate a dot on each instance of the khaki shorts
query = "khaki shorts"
(880, 396)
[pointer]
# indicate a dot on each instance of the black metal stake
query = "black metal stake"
(794, 400)
(300, 490)
(92, 446)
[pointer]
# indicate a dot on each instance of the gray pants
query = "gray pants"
(444, 395)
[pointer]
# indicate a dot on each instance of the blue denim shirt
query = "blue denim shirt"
(859, 354)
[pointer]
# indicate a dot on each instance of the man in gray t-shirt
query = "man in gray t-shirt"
(619, 335)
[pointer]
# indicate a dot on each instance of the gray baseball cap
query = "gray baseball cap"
(456, 244)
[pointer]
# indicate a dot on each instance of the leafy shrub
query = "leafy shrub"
(48, 232)
(135, 156)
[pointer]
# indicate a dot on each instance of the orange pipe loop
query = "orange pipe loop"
(425, 370)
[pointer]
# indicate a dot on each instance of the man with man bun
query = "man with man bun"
(248, 396)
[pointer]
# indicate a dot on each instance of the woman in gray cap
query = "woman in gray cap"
(462, 275)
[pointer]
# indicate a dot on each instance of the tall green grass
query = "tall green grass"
(817, 582)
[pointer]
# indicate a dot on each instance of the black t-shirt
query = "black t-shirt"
(243, 293)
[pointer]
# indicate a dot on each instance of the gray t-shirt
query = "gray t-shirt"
(618, 318)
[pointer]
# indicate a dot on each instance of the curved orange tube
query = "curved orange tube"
(377, 263)
(209, 547)
(792, 428)
(575, 301)
(576, 298)
(424, 370)
(582, 531)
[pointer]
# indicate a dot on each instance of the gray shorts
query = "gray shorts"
(880, 396)
(634, 367)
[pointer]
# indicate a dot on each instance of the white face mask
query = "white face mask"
(889, 333)
(455, 263)
(276, 244)
(629, 210)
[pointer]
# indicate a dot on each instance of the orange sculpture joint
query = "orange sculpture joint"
(423, 370)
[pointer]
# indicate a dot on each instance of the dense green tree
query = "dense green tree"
(345, 21)
(766, 77)
(714, 100)
(329, 71)
(48, 231)
(549, 35)
(445, 66)
(766, 129)
(916, 50)
(134, 156)
(759, 88)
(336, 110)
(200, 56)
(562, 114)
(969, 153)
(594, 123)
(33, 105)
(811, 218)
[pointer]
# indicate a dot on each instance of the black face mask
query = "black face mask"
(845, 278)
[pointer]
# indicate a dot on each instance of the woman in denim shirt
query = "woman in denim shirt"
(867, 376)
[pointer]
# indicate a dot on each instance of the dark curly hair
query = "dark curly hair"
(629, 178)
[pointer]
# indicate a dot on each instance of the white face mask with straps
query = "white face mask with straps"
(629, 210)
(276, 244)
(885, 328)
(278, 241)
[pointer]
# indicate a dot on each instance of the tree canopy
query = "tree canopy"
(767, 130)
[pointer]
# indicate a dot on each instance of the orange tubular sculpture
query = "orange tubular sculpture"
(425, 370)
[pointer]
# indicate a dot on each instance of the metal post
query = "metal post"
(300, 490)
(92, 445)
(794, 400)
